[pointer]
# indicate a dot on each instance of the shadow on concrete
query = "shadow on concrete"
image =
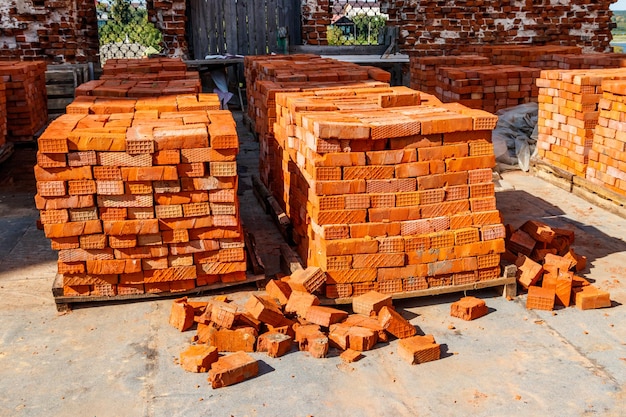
(518, 206)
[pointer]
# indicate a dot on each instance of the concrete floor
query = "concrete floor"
(119, 359)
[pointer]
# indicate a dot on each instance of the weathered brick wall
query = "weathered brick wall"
(315, 18)
(444, 27)
(440, 27)
(170, 18)
(61, 31)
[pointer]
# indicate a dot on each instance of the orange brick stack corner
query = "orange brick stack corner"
(568, 115)
(393, 199)
(607, 157)
(589, 61)
(26, 99)
(424, 69)
(490, 88)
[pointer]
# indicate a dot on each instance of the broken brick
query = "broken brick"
(280, 290)
(540, 298)
(590, 297)
(307, 280)
(369, 323)
(181, 314)
(528, 271)
(223, 314)
(232, 369)
(539, 231)
(349, 356)
(198, 358)
(419, 349)
(226, 340)
(468, 308)
(299, 302)
(370, 303)
(395, 324)
(274, 343)
(325, 316)
(266, 310)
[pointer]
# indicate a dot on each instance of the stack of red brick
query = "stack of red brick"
(589, 61)
(141, 197)
(142, 78)
(537, 56)
(547, 267)
(607, 157)
(489, 88)
(393, 199)
(268, 75)
(290, 313)
(568, 115)
(424, 69)
(26, 99)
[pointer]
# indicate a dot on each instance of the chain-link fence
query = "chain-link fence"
(355, 22)
(124, 30)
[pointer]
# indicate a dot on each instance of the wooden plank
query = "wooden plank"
(251, 28)
(65, 301)
(272, 25)
(210, 10)
(200, 36)
(59, 103)
(230, 23)
(60, 90)
(242, 27)
(260, 28)
(61, 77)
(295, 22)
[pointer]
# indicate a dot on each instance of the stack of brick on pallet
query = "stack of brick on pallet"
(537, 56)
(607, 157)
(394, 199)
(142, 78)
(27, 108)
(490, 88)
(568, 115)
(424, 69)
(141, 195)
(266, 76)
(352, 98)
(589, 61)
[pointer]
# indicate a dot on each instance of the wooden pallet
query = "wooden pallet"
(6, 151)
(581, 187)
(61, 81)
(65, 302)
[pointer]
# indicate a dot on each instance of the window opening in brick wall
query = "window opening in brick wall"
(355, 22)
(124, 30)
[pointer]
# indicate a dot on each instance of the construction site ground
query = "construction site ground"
(120, 359)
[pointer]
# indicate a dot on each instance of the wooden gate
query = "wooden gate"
(243, 27)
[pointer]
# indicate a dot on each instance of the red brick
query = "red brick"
(370, 303)
(325, 316)
(299, 302)
(419, 349)
(181, 314)
(307, 280)
(266, 310)
(278, 290)
(198, 358)
(528, 271)
(540, 298)
(274, 343)
(468, 308)
(232, 369)
(395, 324)
(590, 297)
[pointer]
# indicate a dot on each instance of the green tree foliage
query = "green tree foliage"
(129, 24)
(367, 29)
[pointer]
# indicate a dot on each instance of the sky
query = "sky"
(619, 5)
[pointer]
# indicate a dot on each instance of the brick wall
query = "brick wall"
(61, 31)
(444, 27)
(170, 18)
